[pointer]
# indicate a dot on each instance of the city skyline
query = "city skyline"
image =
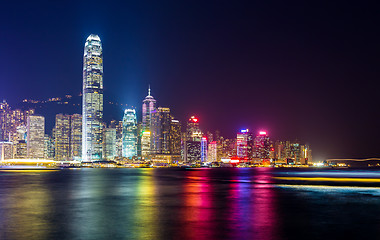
(296, 87)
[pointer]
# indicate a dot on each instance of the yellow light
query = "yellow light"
(325, 179)
(21, 170)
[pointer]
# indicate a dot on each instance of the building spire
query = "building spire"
(149, 90)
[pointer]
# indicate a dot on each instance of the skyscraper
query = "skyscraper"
(160, 129)
(262, 145)
(76, 136)
(92, 102)
(244, 144)
(145, 144)
(6, 150)
(175, 137)
(110, 143)
(149, 104)
(192, 145)
(204, 149)
(118, 125)
(129, 133)
(11, 120)
(62, 137)
(36, 136)
(212, 151)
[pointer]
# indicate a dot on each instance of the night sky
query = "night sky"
(305, 70)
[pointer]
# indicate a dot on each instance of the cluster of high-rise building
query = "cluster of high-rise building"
(158, 138)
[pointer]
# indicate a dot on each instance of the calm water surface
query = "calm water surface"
(199, 204)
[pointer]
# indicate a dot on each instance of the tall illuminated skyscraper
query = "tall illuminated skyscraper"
(149, 104)
(92, 102)
(129, 133)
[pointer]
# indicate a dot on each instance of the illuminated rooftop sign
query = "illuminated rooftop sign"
(193, 119)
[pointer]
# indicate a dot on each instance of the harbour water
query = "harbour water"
(223, 203)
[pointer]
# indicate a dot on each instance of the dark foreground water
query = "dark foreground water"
(200, 204)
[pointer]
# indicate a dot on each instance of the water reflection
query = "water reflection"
(266, 220)
(197, 215)
(25, 208)
(145, 220)
(252, 206)
(176, 204)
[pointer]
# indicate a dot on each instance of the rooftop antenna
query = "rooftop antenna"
(149, 90)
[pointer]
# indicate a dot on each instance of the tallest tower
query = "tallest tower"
(92, 102)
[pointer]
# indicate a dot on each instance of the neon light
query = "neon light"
(244, 130)
(263, 133)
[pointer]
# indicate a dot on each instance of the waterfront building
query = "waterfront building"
(175, 137)
(10, 120)
(212, 152)
(139, 135)
(76, 136)
(145, 144)
(204, 149)
(244, 144)
(160, 131)
(6, 150)
(194, 133)
(35, 136)
(110, 143)
(262, 146)
(129, 133)
(118, 125)
(192, 144)
(49, 150)
(62, 137)
(305, 154)
(20, 149)
(67, 135)
(92, 126)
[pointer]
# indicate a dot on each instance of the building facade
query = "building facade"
(244, 144)
(175, 137)
(160, 131)
(36, 136)
(92, 123)
(129, 133)
(149, 104)
(110, 152)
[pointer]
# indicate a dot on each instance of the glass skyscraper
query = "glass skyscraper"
(92, 134)
(129, 133)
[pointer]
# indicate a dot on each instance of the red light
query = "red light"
(263, 133)
(193, 119)
(272, 149)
